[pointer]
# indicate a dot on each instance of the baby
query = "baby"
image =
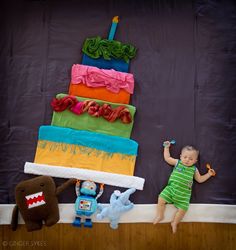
(179, 187)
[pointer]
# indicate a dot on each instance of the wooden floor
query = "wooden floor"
(127, 237)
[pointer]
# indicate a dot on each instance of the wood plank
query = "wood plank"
(190, 236)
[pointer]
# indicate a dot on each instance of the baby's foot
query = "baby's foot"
(157, 219)
(174, 227)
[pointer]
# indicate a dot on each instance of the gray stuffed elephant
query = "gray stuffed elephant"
(119, 203)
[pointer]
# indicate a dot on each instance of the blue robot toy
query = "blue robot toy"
(86, 202)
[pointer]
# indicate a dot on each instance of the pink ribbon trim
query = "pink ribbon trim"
(94, 77)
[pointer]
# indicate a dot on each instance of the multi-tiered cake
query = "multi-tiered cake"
(89, 137)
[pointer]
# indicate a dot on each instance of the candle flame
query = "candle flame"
(115, 19)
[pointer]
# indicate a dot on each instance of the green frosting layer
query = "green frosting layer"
(67, 119)
(96, 47)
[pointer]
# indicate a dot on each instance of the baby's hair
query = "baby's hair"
(190, 148)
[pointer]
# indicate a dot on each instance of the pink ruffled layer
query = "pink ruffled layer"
(109, 78)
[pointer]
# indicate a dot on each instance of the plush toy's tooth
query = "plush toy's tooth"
(35, 200)
(36, 204)
(38, 194)
(31, 196)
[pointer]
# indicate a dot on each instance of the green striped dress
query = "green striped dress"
(179, 188)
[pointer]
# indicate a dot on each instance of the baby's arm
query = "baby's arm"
(167, 156)
(202, 178)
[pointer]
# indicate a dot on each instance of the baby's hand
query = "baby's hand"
(211, 172)
(166, 144)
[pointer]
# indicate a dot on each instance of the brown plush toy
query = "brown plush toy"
(36, 199)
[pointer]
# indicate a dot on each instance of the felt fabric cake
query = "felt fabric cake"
(107, 54)
(100, 93)
(83, 149)
(66, 153)
(89, 134)
(85, 121)
(107, 85)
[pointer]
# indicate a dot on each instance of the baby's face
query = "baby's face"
(188, 157)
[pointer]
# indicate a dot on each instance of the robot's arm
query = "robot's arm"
(100, 191)
(77, 188)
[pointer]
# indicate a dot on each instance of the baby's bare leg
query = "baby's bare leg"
(177, 218)
(161, 205)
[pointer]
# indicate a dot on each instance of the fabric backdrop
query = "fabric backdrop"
(184, 83)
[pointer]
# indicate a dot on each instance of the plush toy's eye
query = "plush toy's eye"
(22, 190)
(42, 184)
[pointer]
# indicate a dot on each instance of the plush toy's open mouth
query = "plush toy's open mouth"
(35, 200)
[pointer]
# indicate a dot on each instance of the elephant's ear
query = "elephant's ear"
(113, 198)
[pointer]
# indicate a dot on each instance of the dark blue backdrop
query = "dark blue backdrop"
(184, 83)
